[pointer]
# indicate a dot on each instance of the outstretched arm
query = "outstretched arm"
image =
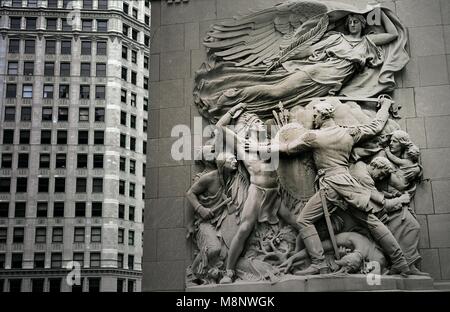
(226, 119)
(396, 160)
(390, 35)
(199, 187)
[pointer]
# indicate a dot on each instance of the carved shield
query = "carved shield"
(296, 172)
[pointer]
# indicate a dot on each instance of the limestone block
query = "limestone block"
(427, 40)
(230, 8)
(430, 262)
(173, 38)
(438, 131)
(165, 275)
(151, 190)
(433, 70)
(197, 59)
(423, 200)
(444, 257)
(192, 11)
(432, 101)
(171, 117)
(439, 226)
(191, 36)
(424, 241)
(167, 213)
(416, 129)
(165, 157)
(175, 65)
(153, 124)
(171, 93)
(445, 11)
(441, 195)
(154, 67)
(419, 12)
(436, 163)
(153, 153)
(155, 96)
(447, 38)
(405, 98)
(410, 75)
(173, 181)
(150, 243)
(171, 244)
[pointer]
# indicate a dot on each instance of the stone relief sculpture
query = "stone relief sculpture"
(303, 83)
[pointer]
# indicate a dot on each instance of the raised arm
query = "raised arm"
(390, 35)
(199, 187)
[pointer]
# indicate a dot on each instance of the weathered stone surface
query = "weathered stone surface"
(444, 257)
(416, 129)
(436, 163)
(439, 226)
(423, 199)
(173, 181)
(438, 131)
(173, 38)
(430, 262)
(171, 244)
(405, 97)
(167, 213)
(433, 70)
(427, 40)
(419, 12)
(432, 101)
(410, 75)
(191, 36)
(171, 93)
(153, 124)
(445, 10)
(175, 65)
(226, 9)
(424, 241)
(172, 117)
(150, 241)
(441, 195)
(152, 184)
(165, 275)
(165, 157)
(154, 65)
(193, 11)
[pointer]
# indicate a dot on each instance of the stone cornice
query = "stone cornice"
(63, 272)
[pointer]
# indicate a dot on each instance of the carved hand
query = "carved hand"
(205, 213)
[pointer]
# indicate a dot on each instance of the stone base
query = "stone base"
(354, 282)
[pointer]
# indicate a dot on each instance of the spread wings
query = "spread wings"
(260, 37)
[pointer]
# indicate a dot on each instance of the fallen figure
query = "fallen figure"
(355, 249)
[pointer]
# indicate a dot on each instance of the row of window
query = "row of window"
(49, 91)
(61, 162)
(16, 23)
(49, 69)
(61, 115)
(87, 4)
(80, 211)
(39, 285)
(134, 56)
(65, 47)
(133, 77)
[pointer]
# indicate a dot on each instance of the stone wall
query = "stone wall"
(176, 53)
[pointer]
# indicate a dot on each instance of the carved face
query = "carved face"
(354, 25)
(352, 262)
(376, 173)
(230, 163)
(395, 146)
(317, 119)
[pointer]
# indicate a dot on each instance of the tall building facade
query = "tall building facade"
(73, 101)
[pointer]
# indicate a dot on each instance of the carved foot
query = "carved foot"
(416, 271)
(228, 277)
(313, 269)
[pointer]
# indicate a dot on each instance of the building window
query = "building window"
(121, 211)
(60, 185)
(96, 234)
(144, 125)
(133, 122)
(15, 22)
(6, 160)
(51, 23)
(65, 25)
(16, 263)
(79, 257)
(8, 136)
(64, 70)
(122, 163)
(131, 238)
(132, 144)
(10, 113)
(52, 3)
(41, 210)
(147, 41)
(97, 185)
(130, 266)
(85, 70)
(79, 235)
(14, 46)
(134, 56)
(123, 118)
(146, 83)
(135, 13)
(94, 285)
(20, 210)
(25, 114)
(24, 137)
(44, 161)
(96, 209)
(43, 185)
(48, 92)
(11, 90)
(50, 46)
(63, 91)
(60, 161)
(47, 113)
(66, 47)
(4, 212)
(100, 92)
(143, 170)
(121, 236)
(98, 161)
(54, 283)
(82, 161)
(57, 235)
(18, 235)
(146, 60)
(102, 25)
(85, 91)
(2, 266)
(124, 74)
(119, 266)
(28, 68)
(147, 19)
(125, 29)
(132, 190)
(56, 260)
(133, 77)
(61, 137)
(133, 99)
(101, 47)
(134, 34)
(31, 23)
(144, 147)
(49, 69)
(58, 209)
(21, 185)
(40, 235)
(124, 52)
(83, 114)
(37, 284)
(132, 166)
(122, 187)
(30, 46)
(99, 137)
(102, 4)
(27, 91)
(81, 184)
(87, 4)
(39, 261)
(123, 96)
(86, 25)
(22, 160)
(46, 137)
(13, 68)
(99, 114)
(131, 210)
(83, 137)
(17, 3)
(100, 70)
